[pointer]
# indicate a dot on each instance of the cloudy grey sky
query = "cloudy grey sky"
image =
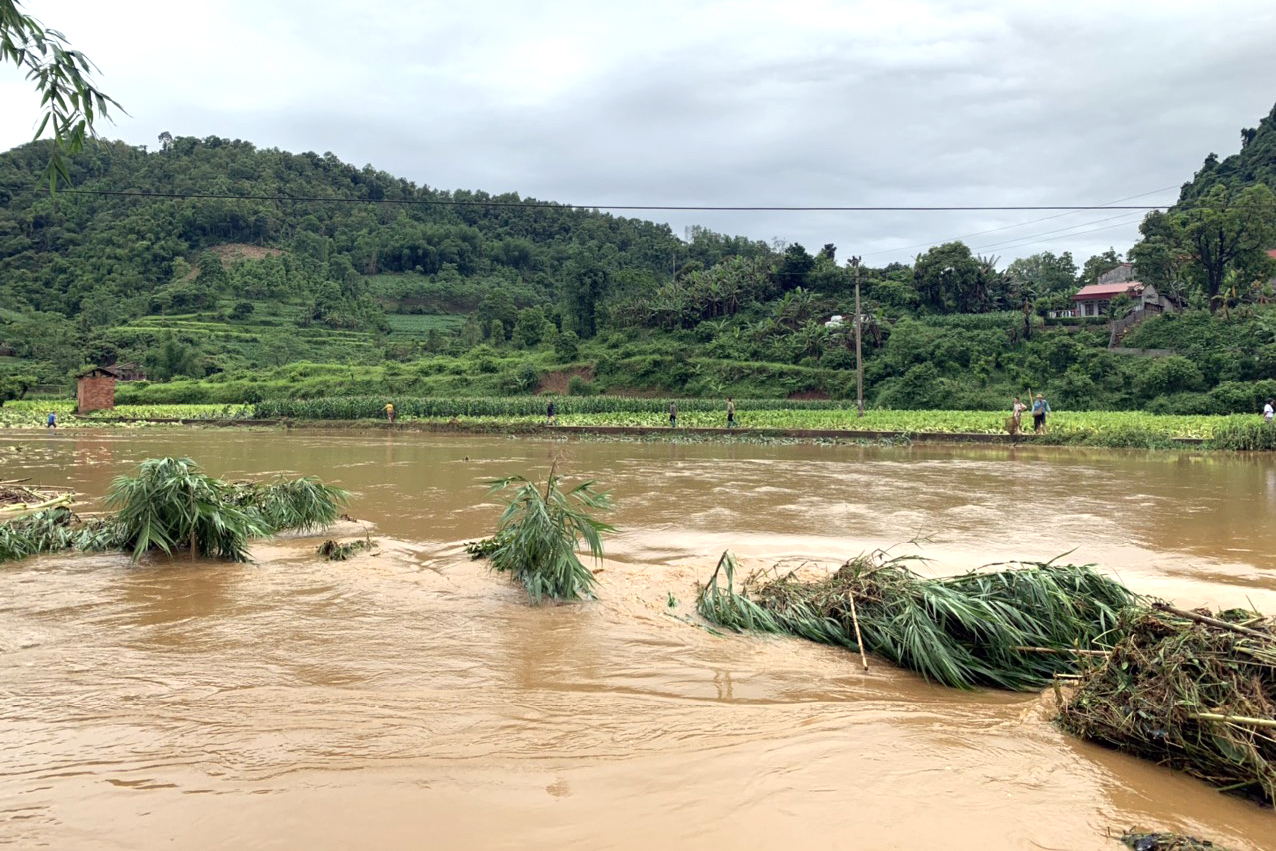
(803, 103)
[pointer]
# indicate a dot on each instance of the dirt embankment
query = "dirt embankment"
(557, 382)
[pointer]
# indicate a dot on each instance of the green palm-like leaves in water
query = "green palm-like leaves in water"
(171, 503)
(540, 532)
(981, 628)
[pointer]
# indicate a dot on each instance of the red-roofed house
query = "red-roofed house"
(1095, 299)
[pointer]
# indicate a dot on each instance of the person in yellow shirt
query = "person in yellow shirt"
(389, 411)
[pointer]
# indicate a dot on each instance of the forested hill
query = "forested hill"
(1255, 163)
(255, 274)
(111, 254)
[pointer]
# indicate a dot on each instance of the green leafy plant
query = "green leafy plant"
(171, 503)
(540, 531)
(1011, 629)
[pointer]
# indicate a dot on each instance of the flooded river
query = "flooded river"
(408, 699)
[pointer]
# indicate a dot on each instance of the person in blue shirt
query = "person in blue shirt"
(1040, 407)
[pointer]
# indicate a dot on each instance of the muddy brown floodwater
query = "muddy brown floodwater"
(408, 699)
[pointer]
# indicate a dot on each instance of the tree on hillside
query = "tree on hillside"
(1097, 265)
(949, 279)
(1043, 274)
(794, 267)
(62, 76)
(497, 306)
(586, 283)
(1225, 232)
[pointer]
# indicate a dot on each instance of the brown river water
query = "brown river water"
(409, 699)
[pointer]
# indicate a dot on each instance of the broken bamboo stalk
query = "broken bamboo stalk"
(1236, 719)
(1074, 650)
(1214, 622)
(859, 641)
(18, 509)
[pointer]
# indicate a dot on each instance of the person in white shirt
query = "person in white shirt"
(1269, 410)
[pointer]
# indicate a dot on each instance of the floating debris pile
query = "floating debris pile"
(336, 551)
(1190, 690)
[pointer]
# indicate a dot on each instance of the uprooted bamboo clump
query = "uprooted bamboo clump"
(538, 535)
(171, 504)
(1014, 628)
(1187, 690)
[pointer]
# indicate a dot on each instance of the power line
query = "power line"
(1009, 243)
(1078, 233)
(550, 205)
(1020, 224)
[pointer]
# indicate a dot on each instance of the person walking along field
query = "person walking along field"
(730, 412)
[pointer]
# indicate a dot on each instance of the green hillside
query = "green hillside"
(317, 278)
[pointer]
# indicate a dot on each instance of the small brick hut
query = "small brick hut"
(95, 390)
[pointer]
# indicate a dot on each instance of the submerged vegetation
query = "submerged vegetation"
(54, 530)
(335, 551)
(1014, 628)
(171, 504)
(539, 533)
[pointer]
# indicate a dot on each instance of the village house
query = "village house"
(1096, 299)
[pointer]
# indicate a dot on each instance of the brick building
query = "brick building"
(95, 390)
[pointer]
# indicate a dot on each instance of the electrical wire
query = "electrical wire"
(1010, 227)
(550, 205)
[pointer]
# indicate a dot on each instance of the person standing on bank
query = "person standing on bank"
(53, 420)
(549, 413)
(1040, 408)
(389, 411)
(673, 415)
(1016, 414)
(1269, 410)
(730, 412)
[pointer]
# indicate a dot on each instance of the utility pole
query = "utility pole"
(859, 362)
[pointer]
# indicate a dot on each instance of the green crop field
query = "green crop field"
(1095, 428)
(420, 324)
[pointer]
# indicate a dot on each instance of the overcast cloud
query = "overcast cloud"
(712, 103)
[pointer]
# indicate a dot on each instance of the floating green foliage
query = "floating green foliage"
(171, 503)
(302, 504)
(55, 530)
(539, 533)
(485, 547)
(1014, 628)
